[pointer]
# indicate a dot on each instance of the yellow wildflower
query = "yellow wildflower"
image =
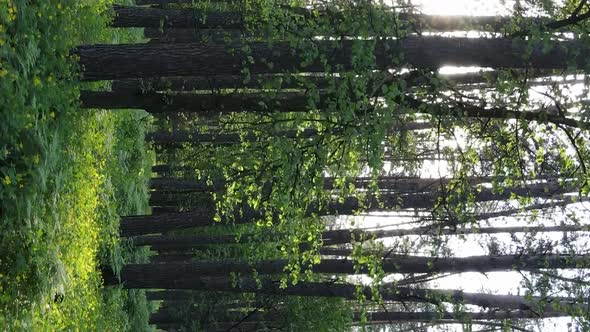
(7, 180)
(11, 13)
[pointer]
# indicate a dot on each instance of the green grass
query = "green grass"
(65, 175)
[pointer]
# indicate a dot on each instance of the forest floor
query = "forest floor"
(66, 175)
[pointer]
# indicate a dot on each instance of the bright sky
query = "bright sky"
(464, 7)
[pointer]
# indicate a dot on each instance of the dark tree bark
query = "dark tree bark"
(192, 201)
(171, 257)
(170, 170)
(180, 242)
(165, 2)
(421, 316)
(344, 236)
(138, 225)
(392, 264)
(159, 210)
(172, 199)
(107, 62)
(161, 2)
(197, 103)
(166, 317)
(388, 317)
(466, 110)
(170, 295)
(223, 139)
(560, 203)
(385, 183)
(251, 320)
(142, 17)
(220, 82)
(166, 255)
(215, 83)
(176, 327)
(164, 170)
(345, 291)
(172, 315)
(169, 36)
(293, 102)
(178, 137)
(186, 185)
(184, 18)
(336, 237)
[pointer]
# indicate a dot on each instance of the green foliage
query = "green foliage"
(282, 176)
(60, 172)
(317, 314)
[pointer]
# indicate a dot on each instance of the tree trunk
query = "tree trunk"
(141, 17)
(385, 183)
(344, 236)
(175, 327)
(388, 317)
(392, 264)
(162, 317)
(108, 62)
(421, 316)
(136, 225)
(178, 137)
(162, 2)
(172, 315)
(337, 237)
(211, 104)
(159, 210)
(170, 295)
(186, 18)
(189, 200)
(221, 82)
(186, 185)
(169, 280)
(146, 224)
(171, 257)
(169, 36)
(250, 320)
(169, 170)
(562, 202)
(163, 198)
(224, 139)
(196, 103)
(162, 169)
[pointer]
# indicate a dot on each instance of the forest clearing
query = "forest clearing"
(266, 165)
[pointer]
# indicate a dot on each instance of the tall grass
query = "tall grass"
(65, 175)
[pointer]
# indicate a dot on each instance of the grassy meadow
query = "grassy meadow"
(66, 175)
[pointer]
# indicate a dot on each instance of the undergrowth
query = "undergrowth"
(66, 175)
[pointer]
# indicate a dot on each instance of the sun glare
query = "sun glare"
(464, 7)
